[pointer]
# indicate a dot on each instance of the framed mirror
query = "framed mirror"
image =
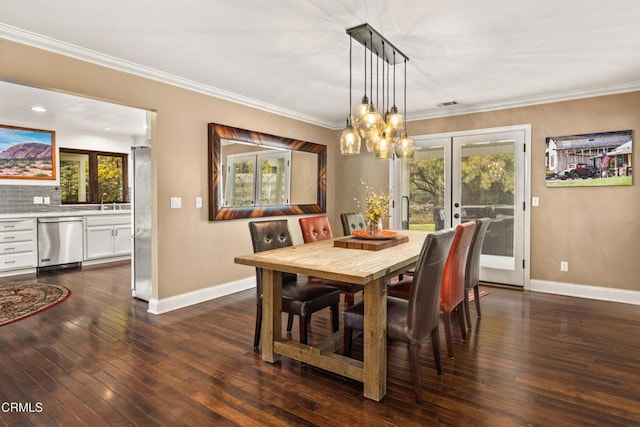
(252, 175)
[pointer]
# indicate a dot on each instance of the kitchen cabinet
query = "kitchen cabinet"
(18, 248)
(107, 236)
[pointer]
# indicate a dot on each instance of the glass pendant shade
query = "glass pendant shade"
(350, 139)
(371, 139)
(383, 148)
(405, 148)
(394, 119)
(372, 120)
(362, 109)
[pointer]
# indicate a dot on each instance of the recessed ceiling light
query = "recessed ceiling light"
(38, 109)
(107, 129)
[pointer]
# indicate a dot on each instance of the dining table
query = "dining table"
(323, 259)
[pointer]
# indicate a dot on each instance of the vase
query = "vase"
(374, 227)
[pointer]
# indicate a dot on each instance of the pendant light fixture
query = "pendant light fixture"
(350, 138)
(386, 136)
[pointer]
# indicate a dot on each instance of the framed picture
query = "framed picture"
(590, 160)
(27, 153)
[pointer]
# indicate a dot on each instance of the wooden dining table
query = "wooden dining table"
(322, 259)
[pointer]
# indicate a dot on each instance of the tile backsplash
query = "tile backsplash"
(19, 199)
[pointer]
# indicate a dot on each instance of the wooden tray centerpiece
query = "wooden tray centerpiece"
(363, 240)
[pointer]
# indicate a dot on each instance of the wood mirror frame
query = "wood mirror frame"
(217, 212)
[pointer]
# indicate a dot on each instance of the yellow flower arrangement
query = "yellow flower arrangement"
(376, 207)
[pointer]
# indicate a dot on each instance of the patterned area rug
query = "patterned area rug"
(20, 300)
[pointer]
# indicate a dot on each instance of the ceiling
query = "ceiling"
(291, 57)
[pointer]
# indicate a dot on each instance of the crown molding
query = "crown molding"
(528, 101)
(42, 42)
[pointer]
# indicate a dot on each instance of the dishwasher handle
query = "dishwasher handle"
(65, 219)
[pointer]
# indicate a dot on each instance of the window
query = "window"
(93, 176)
(265, 174)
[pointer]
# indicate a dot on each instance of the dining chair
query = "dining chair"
(316, 228)
(452, 294)
(300, 296)
(472, 273)
(351, 222)
(418, 318)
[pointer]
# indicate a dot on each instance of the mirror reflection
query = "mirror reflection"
(253, 174)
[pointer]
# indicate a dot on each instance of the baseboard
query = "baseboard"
(586, 291)
(164, 305)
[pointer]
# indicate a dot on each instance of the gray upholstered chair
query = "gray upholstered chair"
(472, 274)
(417, 319)
(352, 221)
(299, 295)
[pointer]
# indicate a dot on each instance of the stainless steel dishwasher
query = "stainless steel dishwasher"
(60, 242)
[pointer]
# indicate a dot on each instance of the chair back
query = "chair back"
(472, 274)
(315, 228)
(453, 276)
(424, 302)
(351, 222)
(267, 235)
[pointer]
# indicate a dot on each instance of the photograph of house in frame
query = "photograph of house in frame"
(590, 160)
(27, 153)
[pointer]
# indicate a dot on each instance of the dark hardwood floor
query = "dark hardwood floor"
(100, 359)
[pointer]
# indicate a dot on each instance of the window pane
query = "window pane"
(74, 177)
(110, 178)
(272, 181)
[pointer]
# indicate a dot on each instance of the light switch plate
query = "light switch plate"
(37, 200)
(176, 202)
(535, 201)
(47, 200)
(198, 202)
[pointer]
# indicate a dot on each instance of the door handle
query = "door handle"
(456, 205)
(456, 216)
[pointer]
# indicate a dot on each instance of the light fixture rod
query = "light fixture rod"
(366, 33)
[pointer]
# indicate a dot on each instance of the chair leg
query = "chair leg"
(414, 364)
(348, 300)
(463, 327)
(466, 304)
(476, 294)
(289, 322)
(447, 333)
(348, 336)
(335, 317)
(435, 344)
(304, 322)
(256, 335)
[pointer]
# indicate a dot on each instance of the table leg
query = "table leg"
(375, 339)
(271, 312)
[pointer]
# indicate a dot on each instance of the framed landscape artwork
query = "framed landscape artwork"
(27, 153)
(590, 160)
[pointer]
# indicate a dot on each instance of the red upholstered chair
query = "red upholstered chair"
(417, 319)
(316, 228)
(452, 294)
(299, 295)
(472, 275)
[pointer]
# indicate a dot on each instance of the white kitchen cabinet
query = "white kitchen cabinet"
(107, 236)
(18, 245)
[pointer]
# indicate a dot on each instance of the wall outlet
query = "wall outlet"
(47, 200)
(37, 200)
(198, 202)
(564, 266)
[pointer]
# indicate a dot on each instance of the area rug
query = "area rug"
(20, 300)
(482, 293)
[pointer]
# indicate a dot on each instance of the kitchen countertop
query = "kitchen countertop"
(62, 214)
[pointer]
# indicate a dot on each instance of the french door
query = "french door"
(461, 177)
